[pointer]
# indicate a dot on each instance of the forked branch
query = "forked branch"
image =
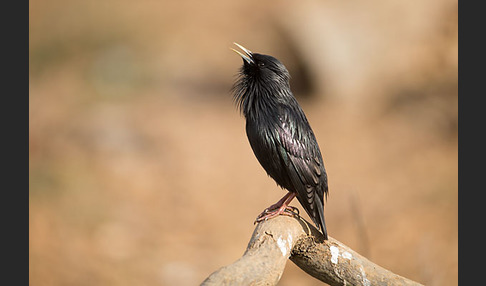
(276, 240)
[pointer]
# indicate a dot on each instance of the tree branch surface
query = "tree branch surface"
(275, 241)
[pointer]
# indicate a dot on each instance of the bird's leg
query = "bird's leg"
(278, 204)
(281, 207)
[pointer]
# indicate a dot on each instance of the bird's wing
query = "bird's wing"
(300, 151)
(301, 154)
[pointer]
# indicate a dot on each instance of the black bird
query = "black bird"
(280, 135)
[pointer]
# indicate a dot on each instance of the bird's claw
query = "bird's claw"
(267, 214)
(292, 210)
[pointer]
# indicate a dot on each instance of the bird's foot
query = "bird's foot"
(270, 212)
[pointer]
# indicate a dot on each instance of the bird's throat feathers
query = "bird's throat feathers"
(255, 97)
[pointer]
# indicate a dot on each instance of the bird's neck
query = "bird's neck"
(263, 101)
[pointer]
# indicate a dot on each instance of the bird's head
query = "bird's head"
(263, 82)
(262, 68)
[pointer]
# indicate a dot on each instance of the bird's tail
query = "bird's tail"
(319, 219)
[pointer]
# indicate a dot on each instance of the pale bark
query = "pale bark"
(276, 240)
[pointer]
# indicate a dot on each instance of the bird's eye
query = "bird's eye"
(260, 64)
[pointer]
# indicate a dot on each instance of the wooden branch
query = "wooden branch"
(275, 241)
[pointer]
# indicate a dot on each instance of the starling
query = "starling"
(280, 136)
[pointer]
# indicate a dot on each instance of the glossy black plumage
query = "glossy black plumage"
(279, 133)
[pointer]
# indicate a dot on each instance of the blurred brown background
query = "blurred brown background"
(140, 169)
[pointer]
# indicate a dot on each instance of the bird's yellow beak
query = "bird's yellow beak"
(248, 57)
